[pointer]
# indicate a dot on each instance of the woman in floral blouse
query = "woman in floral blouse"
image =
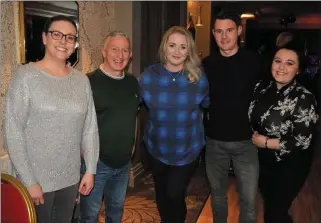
(283, 116)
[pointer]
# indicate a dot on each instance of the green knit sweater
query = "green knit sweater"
(116, 102)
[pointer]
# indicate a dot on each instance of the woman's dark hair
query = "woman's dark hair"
(301, 58)
(58, 18)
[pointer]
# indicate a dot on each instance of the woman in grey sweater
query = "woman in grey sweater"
(49, 119)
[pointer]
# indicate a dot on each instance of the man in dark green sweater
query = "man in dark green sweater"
(116, 101)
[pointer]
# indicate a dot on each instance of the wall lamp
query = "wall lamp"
(199, 17)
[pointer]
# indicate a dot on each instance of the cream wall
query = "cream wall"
(96, 20)
(124, 15)
(203, 33)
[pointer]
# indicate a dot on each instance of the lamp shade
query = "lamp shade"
(199, 17)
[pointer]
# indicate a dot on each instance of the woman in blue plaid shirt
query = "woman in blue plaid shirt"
(174, 91)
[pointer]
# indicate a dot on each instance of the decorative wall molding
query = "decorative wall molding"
(8, 51)
(135, 171)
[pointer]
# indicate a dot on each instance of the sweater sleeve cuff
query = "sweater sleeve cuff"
(28, 182)
(91, 169)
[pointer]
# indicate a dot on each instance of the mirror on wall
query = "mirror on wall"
(33, 16)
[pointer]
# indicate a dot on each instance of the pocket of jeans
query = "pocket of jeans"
(130, 164)
(210, 142)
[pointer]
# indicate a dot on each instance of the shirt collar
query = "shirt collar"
(113, 77)
(285, 89)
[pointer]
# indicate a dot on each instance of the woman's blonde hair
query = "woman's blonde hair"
(192, 61)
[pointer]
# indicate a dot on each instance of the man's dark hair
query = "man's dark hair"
(228, 15)
(58, 18)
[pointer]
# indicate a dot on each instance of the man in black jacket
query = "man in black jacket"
(232, 73)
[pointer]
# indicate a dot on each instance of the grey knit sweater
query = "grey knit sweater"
(48, 121)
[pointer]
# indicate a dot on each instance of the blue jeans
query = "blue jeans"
(112, 184)
(246, 168)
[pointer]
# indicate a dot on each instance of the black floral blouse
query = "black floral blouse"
(288, 114)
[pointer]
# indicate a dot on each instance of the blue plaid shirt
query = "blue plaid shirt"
(174, 133)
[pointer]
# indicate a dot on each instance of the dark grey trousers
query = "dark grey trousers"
(58, 206)
(246, 169)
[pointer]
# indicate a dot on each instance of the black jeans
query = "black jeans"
(170, 186)
(58, 206)
(280, 183)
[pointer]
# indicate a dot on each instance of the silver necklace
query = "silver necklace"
(174, 77)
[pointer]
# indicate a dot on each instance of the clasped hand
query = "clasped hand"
(259, 140)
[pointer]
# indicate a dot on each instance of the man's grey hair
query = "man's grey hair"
(117, 33)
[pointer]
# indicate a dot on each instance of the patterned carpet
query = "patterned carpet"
(140, 206)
